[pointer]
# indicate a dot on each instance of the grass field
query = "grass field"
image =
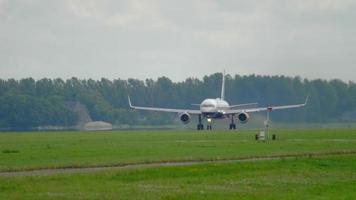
(326, 177)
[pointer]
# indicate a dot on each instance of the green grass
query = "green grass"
(307, 178)
(326, 177)
(65, 149)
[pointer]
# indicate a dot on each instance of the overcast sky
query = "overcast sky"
(177, 39)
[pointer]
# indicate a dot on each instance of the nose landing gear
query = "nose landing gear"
(209, 126)
(200, 126)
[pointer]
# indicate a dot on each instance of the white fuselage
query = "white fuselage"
(214, 107)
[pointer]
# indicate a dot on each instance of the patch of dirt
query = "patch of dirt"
(91, 169)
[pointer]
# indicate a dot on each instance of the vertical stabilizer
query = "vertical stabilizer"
(223, 87)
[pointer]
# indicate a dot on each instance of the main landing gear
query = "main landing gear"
(200, 126)
(209, 126)
(232, 125)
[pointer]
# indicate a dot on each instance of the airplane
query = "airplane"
(218, 108)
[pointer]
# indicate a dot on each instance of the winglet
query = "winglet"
(306, 100)
(128, 97)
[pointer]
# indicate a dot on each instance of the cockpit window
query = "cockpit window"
(207, 106)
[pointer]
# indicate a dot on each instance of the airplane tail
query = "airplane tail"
(222, 97)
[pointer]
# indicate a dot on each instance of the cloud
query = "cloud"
(84, 8)
(137, 38)
(321, 5)
(140, 15)
(2, 2)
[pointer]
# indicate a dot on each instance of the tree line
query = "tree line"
(29, 103)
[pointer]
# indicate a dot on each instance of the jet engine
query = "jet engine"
(243, 117)
(184, 117)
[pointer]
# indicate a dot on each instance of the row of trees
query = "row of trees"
(29, 103)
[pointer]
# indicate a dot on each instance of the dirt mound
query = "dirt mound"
(97, 126)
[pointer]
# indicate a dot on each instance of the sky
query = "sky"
(177, 39)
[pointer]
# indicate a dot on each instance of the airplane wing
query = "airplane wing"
(171, 110)
(269, 108)
(243, 105)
